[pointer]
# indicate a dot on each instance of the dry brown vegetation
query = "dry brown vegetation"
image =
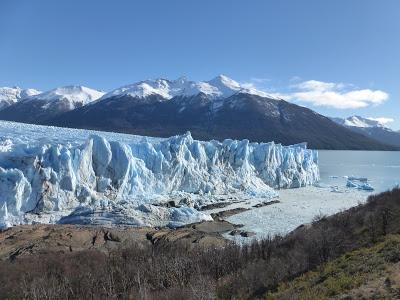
(179, 271)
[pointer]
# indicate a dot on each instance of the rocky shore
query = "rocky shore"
(64, 238)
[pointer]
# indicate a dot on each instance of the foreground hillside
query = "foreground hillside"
(371, 272)
(345, 255)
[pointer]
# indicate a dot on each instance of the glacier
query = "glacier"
(60, 175)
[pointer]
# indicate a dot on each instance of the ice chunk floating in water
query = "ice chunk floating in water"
(124, 181)
(359, 183)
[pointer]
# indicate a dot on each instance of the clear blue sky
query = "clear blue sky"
(275, 45)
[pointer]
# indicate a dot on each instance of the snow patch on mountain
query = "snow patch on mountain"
(217, 88)
(74, 95)
(11, 95)
(122, 180)
(361, 122)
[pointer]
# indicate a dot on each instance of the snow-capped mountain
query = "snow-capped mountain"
(361, 122)
(371, 128)
(11, 95)
(219, 87)
(39, 107)
(219, 109)
(74, 95)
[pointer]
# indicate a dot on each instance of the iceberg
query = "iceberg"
(359, 183)
(57, 175)
(354, 178)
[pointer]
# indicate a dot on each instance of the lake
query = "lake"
(302, 205)
(382, 168)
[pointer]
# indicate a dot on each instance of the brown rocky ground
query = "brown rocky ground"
(33, 239)
(45, 238)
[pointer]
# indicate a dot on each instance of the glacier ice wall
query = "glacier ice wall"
(65, 182)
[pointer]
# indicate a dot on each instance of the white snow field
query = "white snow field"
(59, 175)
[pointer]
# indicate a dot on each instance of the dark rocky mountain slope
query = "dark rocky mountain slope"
(240, 116)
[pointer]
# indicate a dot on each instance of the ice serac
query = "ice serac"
(113, 182)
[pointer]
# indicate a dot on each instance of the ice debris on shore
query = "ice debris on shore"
(109, 181)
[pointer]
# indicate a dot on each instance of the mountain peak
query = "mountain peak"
(182, 79)
(223, 79)
(225, 84)
(361, 122)
(374, 128)
(216, 88)
(358, 121)
(71, 93)
(11, 95)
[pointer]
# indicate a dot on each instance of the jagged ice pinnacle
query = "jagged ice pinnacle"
(126, 181)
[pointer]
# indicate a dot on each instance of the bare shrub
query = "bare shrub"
(176, 271)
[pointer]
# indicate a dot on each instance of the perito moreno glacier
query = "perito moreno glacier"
(59, 175)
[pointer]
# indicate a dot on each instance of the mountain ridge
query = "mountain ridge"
(240, 116)
(46, 105)
(216, 88)
(220, 108)
(11, 95)
(370, 128)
